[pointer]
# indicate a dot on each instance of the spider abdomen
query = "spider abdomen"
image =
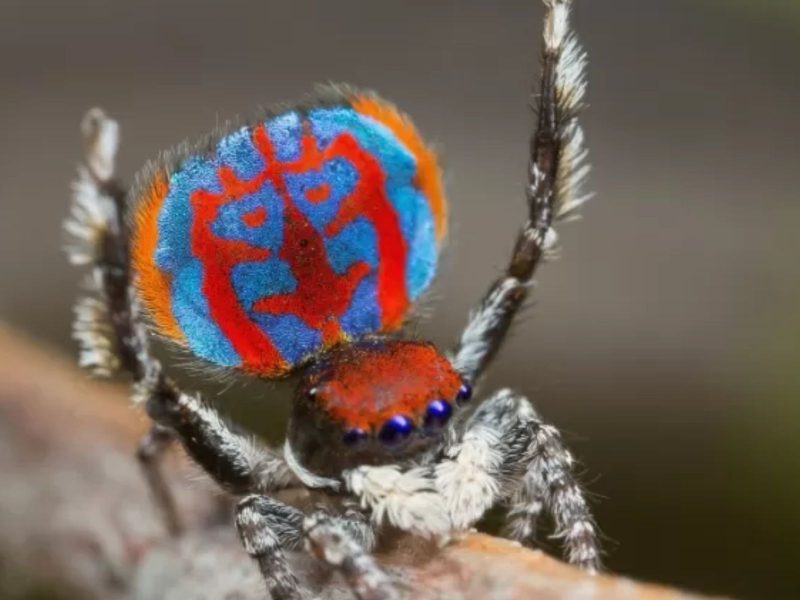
(316, 226)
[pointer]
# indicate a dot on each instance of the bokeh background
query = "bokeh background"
(664, 342)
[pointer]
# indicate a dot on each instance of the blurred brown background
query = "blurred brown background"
(665, 342)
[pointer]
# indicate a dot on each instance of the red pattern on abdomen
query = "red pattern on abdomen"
(322, 296)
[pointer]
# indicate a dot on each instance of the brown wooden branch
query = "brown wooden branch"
(76, 516)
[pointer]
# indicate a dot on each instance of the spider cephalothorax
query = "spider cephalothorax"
(298, 244)
(374, 402)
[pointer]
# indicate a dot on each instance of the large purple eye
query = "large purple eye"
(396, 429)
(354, 436)
(439, 411)
(464, 392)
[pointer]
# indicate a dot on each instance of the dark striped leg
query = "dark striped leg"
(105, 322)
(150, 453)
(269, 528)
(549, 483)
(333, 540)
(110, 329)
(555, 174)
(235, 461)
(506, 454)
(524, 510)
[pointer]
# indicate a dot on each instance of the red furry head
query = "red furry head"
(375, 400)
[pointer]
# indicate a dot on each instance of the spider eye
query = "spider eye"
(354, 436)
(396, 429)
(464, 392)
(438, 413)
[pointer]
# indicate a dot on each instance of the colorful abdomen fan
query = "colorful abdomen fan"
(319, 225)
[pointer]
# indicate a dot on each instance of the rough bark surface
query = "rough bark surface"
(76, 516)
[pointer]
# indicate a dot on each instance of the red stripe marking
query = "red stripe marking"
(322, 296)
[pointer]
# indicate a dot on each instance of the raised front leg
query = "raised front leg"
(555, 174)
(110, 328)
(105, 324)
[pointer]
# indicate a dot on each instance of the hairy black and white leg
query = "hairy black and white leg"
(341, 544)
(557, 169)
(503, 444)
(550, 481)
(150, 452)
(105, 325)
(453, 486)
(96, 238)
(268, 529)
(477, 465)
(525, 508)
(236, 461)
(110, 328)
(535, 474)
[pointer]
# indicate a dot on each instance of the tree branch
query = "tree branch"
(76, 516)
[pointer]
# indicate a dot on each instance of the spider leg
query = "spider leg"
(476, 467)
(268, 528)
(149, 453)
(503, 447)
(331, 539)
(98, 237)
(507, 453)
(110, 329)
(555, 175)
(525, 509)
(549, 481)
(235, 461)
(536, 473)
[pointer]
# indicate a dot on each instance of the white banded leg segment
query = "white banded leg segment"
(545, 466)
(565, 500)
(94, 238)
(525, 508)
(150, 454)
(94, 214)
(489, 320)
(237, 462)
(554, 191)
(330, 540)
(267, 528)
(358, 525)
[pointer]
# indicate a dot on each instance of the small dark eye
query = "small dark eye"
(396, 429)
(438, 413)
(464, 392)
(354, 436)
